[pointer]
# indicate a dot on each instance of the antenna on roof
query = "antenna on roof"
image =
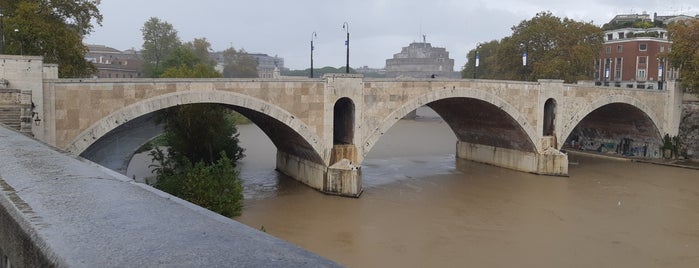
(421, 27)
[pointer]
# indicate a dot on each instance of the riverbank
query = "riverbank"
(680, 163)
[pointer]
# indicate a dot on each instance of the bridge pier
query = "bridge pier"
(342, 178)
(548, 162)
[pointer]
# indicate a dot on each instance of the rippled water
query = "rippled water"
(423, 208)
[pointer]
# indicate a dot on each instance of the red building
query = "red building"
(633, 58)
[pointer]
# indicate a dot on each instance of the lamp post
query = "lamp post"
(2, 42)
(477, 61)
(21, 49)
(661, 77)
(345, 26)
(607, 63)
(524, 60)
(313, 36)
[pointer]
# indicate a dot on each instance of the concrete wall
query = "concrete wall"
(59, 210)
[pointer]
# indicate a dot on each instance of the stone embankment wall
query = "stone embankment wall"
(689, 127)
(57, 210)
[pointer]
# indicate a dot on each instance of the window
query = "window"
(643, 47)
(618, 62)
(641, 75)
(642, 60)
(618, 48)
(610, 37)
(609, 50)
(662, 48)
(621, 35)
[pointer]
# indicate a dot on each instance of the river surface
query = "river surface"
(423, 208)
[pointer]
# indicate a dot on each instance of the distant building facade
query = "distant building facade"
(421, 60)
(112, 63)
(266, 64)
(635, 57)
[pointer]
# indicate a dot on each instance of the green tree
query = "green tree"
(52, 29)
(487, 61)
(201, 48)
(205, 135)
(200, 132)
(160, 39)
(685, 52)
(239, 64)
(556, 49)
(199, 70)
(216, 187)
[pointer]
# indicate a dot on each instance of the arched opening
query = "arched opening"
(480, 122)
(549, 117)
(619, 128)
(343, 122)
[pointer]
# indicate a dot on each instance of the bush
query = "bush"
(217, 187)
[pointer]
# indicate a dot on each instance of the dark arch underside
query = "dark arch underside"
(613, 123)
(114, 152)
(479, 122)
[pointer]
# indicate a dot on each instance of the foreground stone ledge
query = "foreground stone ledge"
(59, 210)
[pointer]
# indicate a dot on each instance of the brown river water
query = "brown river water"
(423, 208)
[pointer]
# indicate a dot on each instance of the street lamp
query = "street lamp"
(345, 26)
(661, 78)
(313, 36)
(21, 49)
(607, 63)
(477, 57)
(2, 42)
(524, 59)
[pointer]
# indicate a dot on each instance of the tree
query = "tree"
(556, 49)
(201, 48)
(238, 64)
(197, 71)
(487, 61)
(196, 166)
(216, 187)
(160, 39)
(52, 29)
(685, 52)
(200, 132)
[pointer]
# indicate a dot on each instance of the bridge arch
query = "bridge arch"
(603, 101)
(480, 96)
(269, 117)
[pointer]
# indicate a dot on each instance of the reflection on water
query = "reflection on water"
(423, 208)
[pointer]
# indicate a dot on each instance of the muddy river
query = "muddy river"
(423, 208)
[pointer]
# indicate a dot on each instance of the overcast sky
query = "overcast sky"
(378, 28)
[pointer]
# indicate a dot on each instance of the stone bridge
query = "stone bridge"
(316, 123)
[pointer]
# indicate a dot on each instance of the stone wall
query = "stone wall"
(57, 210)
(689, 127)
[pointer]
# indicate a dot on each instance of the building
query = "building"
(112, 63)
(421, 60)
(371, 72)
(635, 57)
(265, 64)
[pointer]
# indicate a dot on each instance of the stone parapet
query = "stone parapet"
(57, 210)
